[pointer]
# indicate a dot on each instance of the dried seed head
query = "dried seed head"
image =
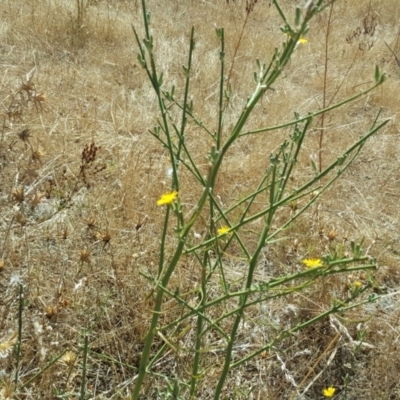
(18, 194)
(64, 303)
(20, 218)
(91, 223)
(39, 97)
(50, 311)
(332, 235)
(28, 87)
(250, 5)
(36, 199)
(68, 358)
(103, 236)
(24, 135)
(294, 205)
(8, 343)
(37, 155)
(85, 256)
(264, 354)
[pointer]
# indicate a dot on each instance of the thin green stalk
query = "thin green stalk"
(84, 368)
(162, 246)
(160, 293)
(189, 113)
(185, 97)
(40, 373)
(289, 165)
(336, 163)
(157, 81)
(154, 322)
(193, 311)
(199, 327)
(221, 89)
(273, 284)
(243, 299)
(289, 332)
(324, 89)
(302, 189)
(314, 114)
(191, 167)
(20, 312)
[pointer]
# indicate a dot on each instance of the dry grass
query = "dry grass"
(80, 175)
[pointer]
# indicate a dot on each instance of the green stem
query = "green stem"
(221, 90)
(84, 368)
(243, 299)
(185, 98)
(199, 328)
(20, 312)
(314, 114)
(162, 246)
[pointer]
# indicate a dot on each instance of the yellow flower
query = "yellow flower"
(167, 198)
(329, 391)
(223, 230)
(357, 284)
(302, 39)
(312, 262)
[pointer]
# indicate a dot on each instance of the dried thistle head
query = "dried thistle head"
(18, 194)
(85, 256)
(68, 358)
(50, 311)
(7, 391)
(27, 87)
(37, 155)
(25, 135)
(140, 223)
(91, 223)
(64, 303)
(36, 198)
(250, 5)
(331, 235)
(7, 344)
(105, 237)
(38, 99)
(20, 218)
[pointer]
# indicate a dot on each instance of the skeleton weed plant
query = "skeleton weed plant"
(222, 314)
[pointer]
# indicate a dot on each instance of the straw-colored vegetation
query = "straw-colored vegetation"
(80, 176)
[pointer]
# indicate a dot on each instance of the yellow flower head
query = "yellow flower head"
(312, 262)
(302, 39)
(329, 391)
(223, 230)
(357, 284)
(167, 198)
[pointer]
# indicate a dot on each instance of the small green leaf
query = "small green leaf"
(377, 74)
(161, 79)
(141, 60)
